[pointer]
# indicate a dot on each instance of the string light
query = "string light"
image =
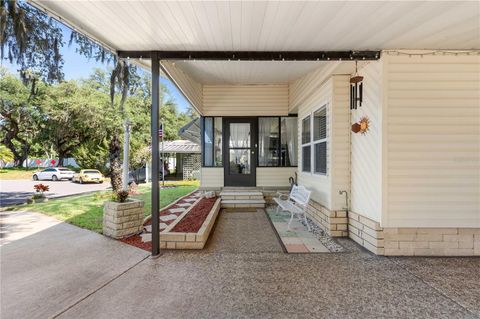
(432, 52)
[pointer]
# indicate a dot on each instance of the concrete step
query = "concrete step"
(227, 195)
(240, 189)
(243, 203)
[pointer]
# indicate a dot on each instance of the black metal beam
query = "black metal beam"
(254, 55)
(155, 112)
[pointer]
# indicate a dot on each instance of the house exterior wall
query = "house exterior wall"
(420, 162)
(245, 100)
(340, 123)
(320, 185)
(414, 178)
(211, 177)
(334, 93)
(274, 176)
(432, 132)
(327, 207)
(268, 177)
(366, 160)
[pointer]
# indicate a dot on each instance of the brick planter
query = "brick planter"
(175, 240)
(123, 219)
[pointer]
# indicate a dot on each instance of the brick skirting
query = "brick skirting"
(432, 241)
(366, 232)
(413, 241)
(334, 223)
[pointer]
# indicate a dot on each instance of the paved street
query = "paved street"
(14, 192)
(53, 269)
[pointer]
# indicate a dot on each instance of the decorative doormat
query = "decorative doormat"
(298, 239)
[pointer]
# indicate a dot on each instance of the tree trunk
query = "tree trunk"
(115, 149)
(18, 158)
(61, 159)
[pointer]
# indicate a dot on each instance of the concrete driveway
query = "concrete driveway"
(47, 266)
(52, 269)
(14, 192)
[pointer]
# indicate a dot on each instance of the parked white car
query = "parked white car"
(53, 174)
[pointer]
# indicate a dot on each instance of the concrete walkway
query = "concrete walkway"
(243, 272)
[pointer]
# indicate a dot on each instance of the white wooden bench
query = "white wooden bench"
(296, 203)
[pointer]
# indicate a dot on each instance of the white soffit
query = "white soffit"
(274, 25)
(247, 72)
(270, 26)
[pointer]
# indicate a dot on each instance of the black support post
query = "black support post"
(155, 153)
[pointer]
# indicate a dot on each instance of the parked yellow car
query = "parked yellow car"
(88, 176)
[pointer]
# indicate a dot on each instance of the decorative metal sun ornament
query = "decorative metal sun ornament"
(356, 89)
(363, 126)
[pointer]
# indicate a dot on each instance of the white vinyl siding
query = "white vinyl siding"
(433, 141)
(366, 148)
(274, 176)
(334, 94)
(245, 100)
(211, 177)
(320, 185)
(340, 140)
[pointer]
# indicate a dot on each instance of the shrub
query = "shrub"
(40, 188)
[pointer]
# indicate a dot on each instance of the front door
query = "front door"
(240, 151)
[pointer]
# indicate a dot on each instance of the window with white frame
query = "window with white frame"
(306, 145)
(320, 141)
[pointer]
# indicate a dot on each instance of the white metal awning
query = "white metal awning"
(273, 25)
(269, 26)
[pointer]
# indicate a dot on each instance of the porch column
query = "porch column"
(155, 153)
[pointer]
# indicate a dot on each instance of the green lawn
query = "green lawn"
(17, 173)
(86, 211)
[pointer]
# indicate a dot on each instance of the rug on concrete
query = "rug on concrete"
(298, 239)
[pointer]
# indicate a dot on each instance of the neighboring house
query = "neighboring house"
(413, 179)
(184, 158)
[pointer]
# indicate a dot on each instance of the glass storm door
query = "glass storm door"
(240, 151)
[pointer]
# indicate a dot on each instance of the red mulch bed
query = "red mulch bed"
(189, 224)
(136, 241)
(192, 222)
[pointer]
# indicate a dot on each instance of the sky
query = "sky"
(77, 66)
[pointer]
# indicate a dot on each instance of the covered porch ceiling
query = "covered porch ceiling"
(259, 26)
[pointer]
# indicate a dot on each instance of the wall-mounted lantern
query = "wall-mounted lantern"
(356, 90)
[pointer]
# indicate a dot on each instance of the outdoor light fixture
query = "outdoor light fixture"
(356, 89)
